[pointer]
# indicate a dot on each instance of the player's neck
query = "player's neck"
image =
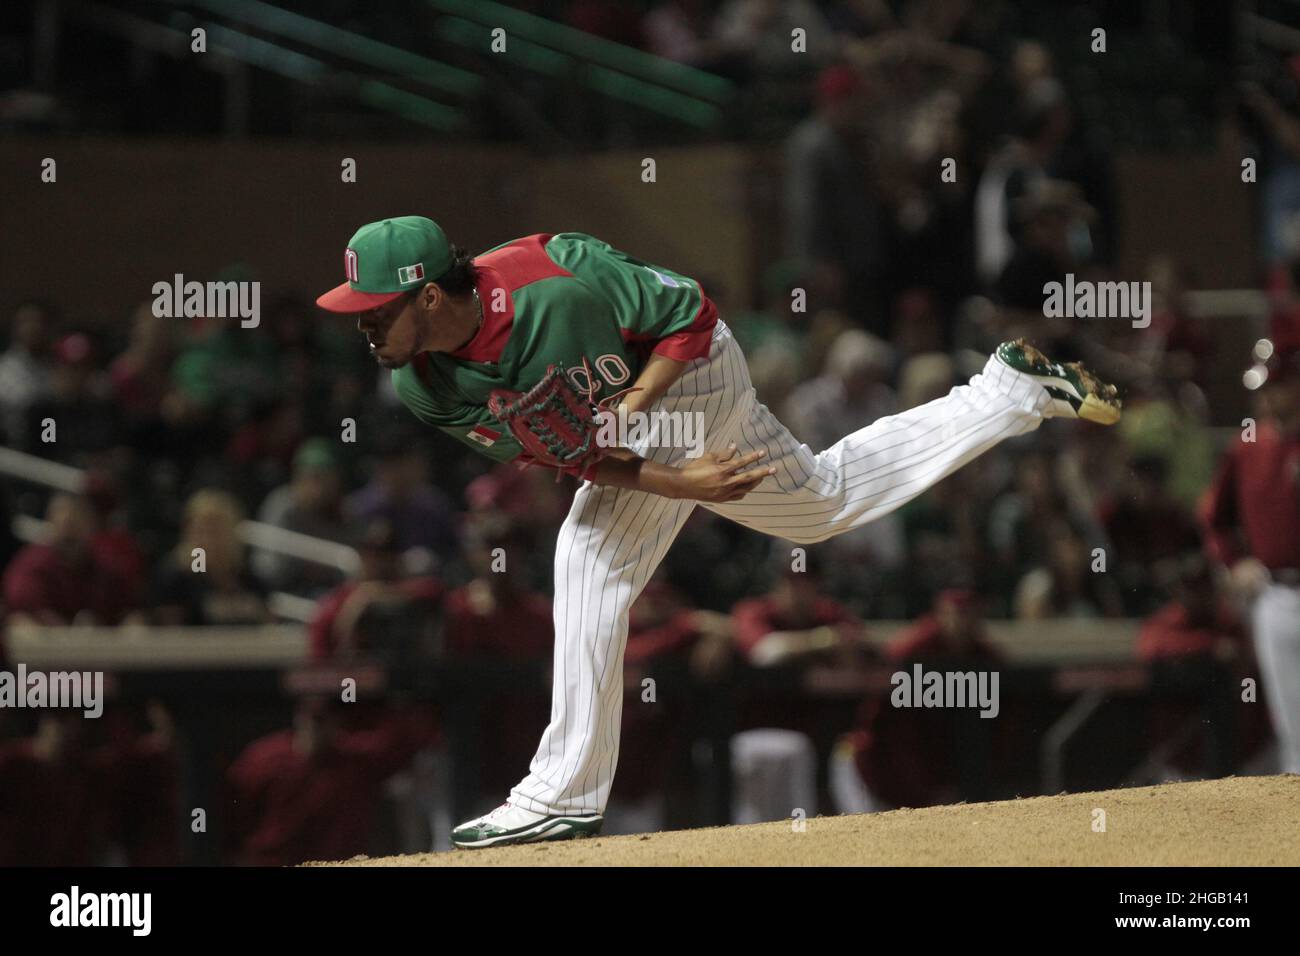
(473, 315)
(463, 323)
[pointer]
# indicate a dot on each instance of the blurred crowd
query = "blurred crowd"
(892, 285)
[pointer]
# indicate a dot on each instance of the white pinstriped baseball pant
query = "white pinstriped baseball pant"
(613, 539)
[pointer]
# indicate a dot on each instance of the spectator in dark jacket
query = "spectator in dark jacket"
(215, 586)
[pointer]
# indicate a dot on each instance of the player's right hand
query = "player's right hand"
(718, 477)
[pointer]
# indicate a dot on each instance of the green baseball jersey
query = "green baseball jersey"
(555, 300)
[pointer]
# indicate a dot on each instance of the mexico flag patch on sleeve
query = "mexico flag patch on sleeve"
(482, 435)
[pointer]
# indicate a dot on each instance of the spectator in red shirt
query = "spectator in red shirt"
(1283, 287)
(1196, 628)
(70, 800)
(795, 621)
(797, 630)
(663, 623)
(1195, 622)
(312, 792)
(64, 581)
(954, 629)
(53, 806)
(337, 630)
(495, 614)
(909, 757)
(669, 642)
(1145, 525)
(141, 375)
(532, 502)
(1251, 514)
(496, 621)
(114, 543)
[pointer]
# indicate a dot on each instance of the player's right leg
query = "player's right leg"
(876, 469)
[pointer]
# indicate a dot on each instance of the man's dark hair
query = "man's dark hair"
(462, 276)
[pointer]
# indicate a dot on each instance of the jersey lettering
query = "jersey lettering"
(613, 368)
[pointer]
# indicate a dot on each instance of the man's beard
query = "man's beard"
(386, 361)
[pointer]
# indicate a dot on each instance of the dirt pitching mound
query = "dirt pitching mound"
(1241, 821)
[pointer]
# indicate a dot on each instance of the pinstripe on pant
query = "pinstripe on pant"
(613, 539)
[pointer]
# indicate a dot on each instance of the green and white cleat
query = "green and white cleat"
(508, 824)
(1076, 392)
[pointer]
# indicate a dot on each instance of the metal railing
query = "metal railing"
(145, 648)
(252, 34)
(594, 51)
(231, 53)
(670, 89)
(268, 537)
(287, 25)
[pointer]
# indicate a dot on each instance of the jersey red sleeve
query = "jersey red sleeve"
(677, 633)
(751, 622)
(1218, 514)
(320, 629)
(693, 341)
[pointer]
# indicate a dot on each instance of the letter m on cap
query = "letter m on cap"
(350, 265)
(410, 273)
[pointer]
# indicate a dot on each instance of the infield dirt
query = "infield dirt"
(1239, 821)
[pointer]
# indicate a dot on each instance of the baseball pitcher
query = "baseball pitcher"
(526, 351)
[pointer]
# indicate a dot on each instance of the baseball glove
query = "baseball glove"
(554, 422)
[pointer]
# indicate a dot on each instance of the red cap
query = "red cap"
(101, 489)
(344, 298)
(72, 349)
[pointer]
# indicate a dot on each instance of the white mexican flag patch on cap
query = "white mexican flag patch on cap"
(410, 273)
